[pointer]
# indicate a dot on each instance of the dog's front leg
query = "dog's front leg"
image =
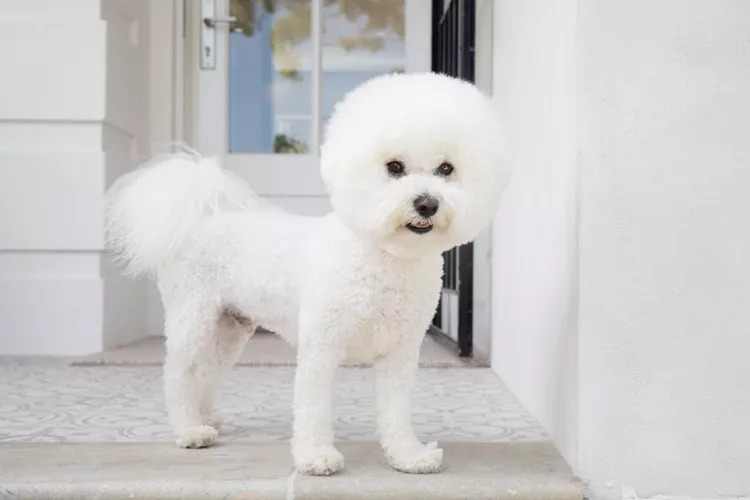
(395, 375)
(312, 444)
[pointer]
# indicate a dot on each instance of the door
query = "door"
(453, 54)
(266, 74)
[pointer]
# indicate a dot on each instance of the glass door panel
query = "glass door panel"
(270, 77)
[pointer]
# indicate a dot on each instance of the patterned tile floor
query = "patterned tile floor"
(49, 401)
(264, 349)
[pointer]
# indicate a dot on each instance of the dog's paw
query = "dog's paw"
(318, 460)
(199, 436)
(415, 458)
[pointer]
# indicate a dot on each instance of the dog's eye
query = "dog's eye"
(395, 168)
(445, 169)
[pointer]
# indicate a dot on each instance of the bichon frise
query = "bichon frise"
(414, 166)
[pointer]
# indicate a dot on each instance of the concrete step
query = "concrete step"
(263, 470)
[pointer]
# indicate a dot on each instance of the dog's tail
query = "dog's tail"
(151, 211)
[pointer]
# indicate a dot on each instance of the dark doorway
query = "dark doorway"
(453, 54)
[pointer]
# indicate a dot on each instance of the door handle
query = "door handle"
(211, 22)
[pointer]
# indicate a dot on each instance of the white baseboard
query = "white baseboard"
(50, 314)
(66, 304)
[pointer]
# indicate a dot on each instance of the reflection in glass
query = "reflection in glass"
(270, 65)
(270, 54)
(360, 39)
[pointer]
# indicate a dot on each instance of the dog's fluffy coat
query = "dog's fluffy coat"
(356, 283)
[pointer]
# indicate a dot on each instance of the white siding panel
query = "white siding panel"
(52, 9)
(50, 136)
(303, 205)
(50, 303)
(52, 71)
(51, 201)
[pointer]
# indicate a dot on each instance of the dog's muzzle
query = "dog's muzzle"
(426, 206)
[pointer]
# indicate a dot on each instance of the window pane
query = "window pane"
(360, 39)
(270, 54)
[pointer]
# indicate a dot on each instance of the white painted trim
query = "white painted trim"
(212, 93)
(269, 174)
(315, 35)
(178, 71)
(483, 40)
(50, 136)
(418, 29)
(482, 307)
(449, 313)
(482, 297)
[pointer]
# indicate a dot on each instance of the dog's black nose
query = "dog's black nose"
(426, 205)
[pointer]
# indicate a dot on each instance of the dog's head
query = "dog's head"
(414, 161)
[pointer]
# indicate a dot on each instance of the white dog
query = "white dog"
(414, 166)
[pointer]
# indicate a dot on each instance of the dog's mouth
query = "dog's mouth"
(420, 226)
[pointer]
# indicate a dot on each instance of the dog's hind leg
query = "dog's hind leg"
(192, 368)
(233, 332)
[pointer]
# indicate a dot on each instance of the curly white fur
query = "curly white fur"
(359, 283)
(151, 211)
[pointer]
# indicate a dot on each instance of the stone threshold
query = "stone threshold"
(263, 470)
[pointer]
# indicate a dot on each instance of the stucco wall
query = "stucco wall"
(624, 328)
(664, 320)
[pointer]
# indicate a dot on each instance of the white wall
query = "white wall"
(664, 239)
(72, 119)
(635, 354)
(534, 233)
